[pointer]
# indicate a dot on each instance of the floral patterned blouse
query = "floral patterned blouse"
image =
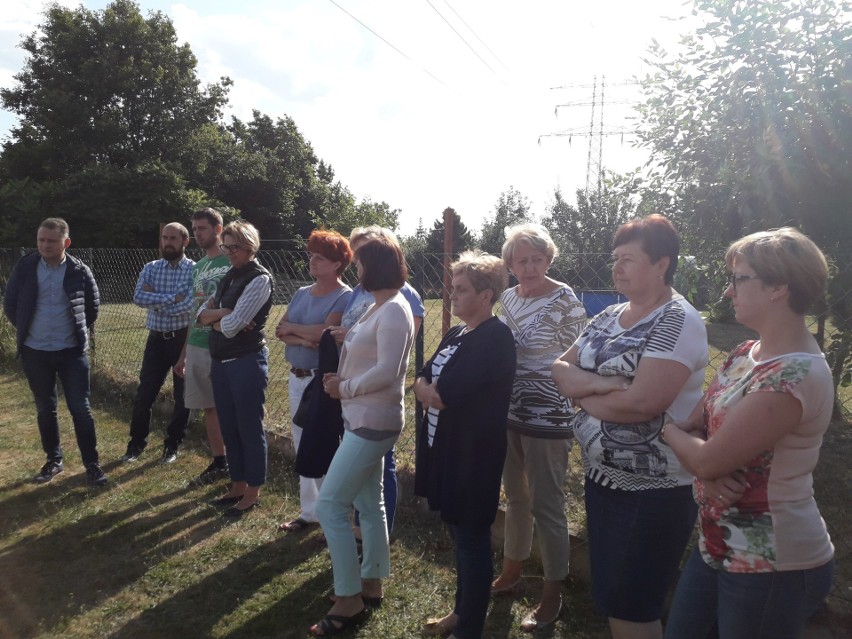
(776, 525)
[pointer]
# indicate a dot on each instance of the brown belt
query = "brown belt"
(302, 372)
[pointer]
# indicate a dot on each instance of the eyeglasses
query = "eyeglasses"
(230, 248)
(739, 279)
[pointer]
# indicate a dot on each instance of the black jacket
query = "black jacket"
(323, 417)
(460, 474)
(19, 302)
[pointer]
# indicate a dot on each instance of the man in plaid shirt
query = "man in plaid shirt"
(165, 289)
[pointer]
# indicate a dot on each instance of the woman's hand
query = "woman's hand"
(725, 491)
(331, 384)
(210, 316)
(338, 333)
(427, 394)
(610, 384)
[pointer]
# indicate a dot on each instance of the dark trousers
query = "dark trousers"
(162, 351)
(72, 368)
(239, 388)
(474, 572)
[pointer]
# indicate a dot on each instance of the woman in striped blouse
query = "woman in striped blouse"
(546, 318)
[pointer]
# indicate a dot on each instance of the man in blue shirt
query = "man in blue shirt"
(52, 301)
(165, 289)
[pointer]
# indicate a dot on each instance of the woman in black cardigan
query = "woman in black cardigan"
(465, 389)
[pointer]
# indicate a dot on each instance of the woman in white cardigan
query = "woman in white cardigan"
(370, 382)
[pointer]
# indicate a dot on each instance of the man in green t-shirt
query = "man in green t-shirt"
(194, 362)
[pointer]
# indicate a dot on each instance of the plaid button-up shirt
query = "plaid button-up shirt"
(166, 283)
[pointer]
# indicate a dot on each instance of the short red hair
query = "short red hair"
(332, 246)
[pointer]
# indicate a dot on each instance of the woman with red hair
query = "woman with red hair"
(312, 309)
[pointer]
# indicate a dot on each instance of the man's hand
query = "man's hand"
(179, 369)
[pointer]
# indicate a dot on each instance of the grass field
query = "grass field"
(147, 557)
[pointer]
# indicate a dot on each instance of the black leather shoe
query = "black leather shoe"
(225, 501)
(236, 513)
(213, 473)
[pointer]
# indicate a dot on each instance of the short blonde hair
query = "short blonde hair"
(245, 234)
(534, 235)
(484, 271)
(373, 232)
(784, 256)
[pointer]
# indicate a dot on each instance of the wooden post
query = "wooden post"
(448, 278)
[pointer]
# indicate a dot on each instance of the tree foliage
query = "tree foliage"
(584, 232)
(462, 238)
(117, 134)
(512, 208)
(750, 121)
(750, 126)
(106, 87)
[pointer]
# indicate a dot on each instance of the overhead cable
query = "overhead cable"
(424, 69)
(475, 52)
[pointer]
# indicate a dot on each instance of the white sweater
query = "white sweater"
(373, 364)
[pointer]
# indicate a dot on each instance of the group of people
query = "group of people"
(504, 399)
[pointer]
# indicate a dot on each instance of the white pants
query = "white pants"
(308, 486)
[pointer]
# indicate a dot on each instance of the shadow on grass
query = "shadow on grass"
(67, 490)
(44, 587)
(196, 610)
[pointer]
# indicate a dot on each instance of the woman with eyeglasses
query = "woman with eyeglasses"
(312, 309)
(239, 364)
(634, 364)
(764, 561)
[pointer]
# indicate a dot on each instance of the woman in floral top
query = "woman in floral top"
(765, 560)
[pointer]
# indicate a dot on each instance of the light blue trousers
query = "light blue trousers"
(355, 478)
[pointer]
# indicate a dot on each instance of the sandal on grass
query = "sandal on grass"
(297, 525)
(335, 624)
(439, 626)
(531, 623)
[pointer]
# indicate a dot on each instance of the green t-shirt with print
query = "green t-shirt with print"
(205, 277)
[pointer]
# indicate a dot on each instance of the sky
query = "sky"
(423, 104)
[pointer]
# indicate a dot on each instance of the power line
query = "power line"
(429, 2)
(481, 41)
(424, 69)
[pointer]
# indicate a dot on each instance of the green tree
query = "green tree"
(750, 126)
(584, 232)
(462, 238)
(108, 104)
(105, 87)
(750, 121)
(512, 208)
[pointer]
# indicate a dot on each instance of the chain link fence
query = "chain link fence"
(120, 331)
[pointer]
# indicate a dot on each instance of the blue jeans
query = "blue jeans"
(72, 368)
(161, 353)
(474, 573)
(769, 605)
(239, 388)
(355, 478)
(389, 491)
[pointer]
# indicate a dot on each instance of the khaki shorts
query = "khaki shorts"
(198, 392)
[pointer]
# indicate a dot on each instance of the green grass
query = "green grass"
(147, 557)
